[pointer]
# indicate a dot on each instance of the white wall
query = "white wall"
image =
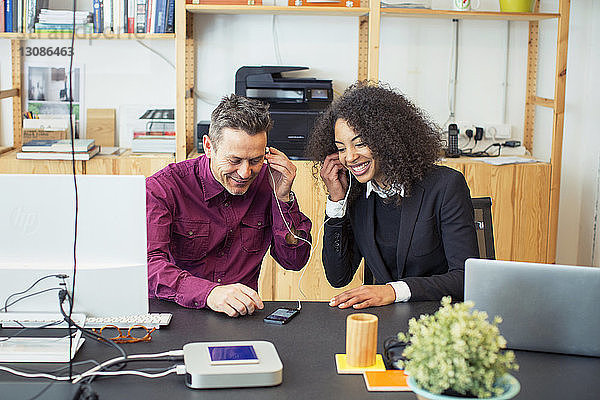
(116, 73)
(581, 150)
(414, 56)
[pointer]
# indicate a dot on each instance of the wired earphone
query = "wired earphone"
(298, 237)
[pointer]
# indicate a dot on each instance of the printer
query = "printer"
(295, 103)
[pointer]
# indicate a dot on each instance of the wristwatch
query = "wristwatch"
(292, 199)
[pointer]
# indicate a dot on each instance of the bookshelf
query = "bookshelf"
(88, 36)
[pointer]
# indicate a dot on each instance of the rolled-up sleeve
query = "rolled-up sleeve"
(165, 279)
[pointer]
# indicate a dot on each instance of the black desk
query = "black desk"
(306, 347)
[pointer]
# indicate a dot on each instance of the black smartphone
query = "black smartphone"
(281, 316)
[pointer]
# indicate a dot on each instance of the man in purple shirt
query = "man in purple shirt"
(212, 219)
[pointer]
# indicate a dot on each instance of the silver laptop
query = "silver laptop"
(36, 240)
(544, 307)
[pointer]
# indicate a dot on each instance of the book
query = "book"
(58, 145)
(47, 155)
(140, 15)
(153, 144)
(2, 15)
(97, 16)
(160, 21)
(8, 16)
(170, 28)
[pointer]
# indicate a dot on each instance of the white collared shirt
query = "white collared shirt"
(337, 209)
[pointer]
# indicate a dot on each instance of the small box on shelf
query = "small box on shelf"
(44, 129)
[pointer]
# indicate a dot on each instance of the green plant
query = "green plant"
(457, 349)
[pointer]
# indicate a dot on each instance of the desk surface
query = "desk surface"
(306, 347)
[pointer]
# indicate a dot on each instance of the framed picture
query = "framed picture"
(49, 89)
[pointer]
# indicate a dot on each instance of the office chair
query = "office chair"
(482, 210)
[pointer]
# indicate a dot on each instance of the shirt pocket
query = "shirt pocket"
(255, 231)
(190, 239)
(426, 238)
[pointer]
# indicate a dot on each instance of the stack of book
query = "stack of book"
(84, 149)
(159, 133)
(153, 143)
(59, 21)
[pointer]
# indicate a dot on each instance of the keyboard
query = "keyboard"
(38, 320)
(51, 320)
(152, 320)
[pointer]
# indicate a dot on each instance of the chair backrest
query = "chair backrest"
(482, 210)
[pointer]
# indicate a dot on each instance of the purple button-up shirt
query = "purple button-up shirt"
(200, 236)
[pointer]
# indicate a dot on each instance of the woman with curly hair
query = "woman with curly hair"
(411, 220)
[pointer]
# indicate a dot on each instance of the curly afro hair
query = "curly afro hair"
(404, 141)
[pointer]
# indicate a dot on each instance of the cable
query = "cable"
(34, 375)
(60, 276)
(197, 94)
(31, 295)
(79, 377)
(452, 81)
(156, 52)
(75, 188)
(482, 153)
(292, 233)
(275, 41)
(132, 372)
(64, 294)
(117, 360)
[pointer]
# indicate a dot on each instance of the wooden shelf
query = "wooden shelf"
(231, 9)
(481, 15)
(86, 36)
(5, 149)
(9, 93)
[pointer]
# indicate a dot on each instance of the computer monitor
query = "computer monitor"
(37, 236)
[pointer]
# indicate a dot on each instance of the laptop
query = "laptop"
(544, 307)
(36, 240)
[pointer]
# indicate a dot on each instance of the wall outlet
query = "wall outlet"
(497, 131)
(464, 125)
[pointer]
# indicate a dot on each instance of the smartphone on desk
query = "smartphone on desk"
(281, 316)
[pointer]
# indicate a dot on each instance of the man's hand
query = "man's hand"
(365, 296)
(234, 300)
(283, 171)
(335, 177)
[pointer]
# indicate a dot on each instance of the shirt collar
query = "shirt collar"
(384, 193)
(212, 187)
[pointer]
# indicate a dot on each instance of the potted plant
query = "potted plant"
(456, 352)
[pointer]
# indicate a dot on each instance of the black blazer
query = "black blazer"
(437, 234)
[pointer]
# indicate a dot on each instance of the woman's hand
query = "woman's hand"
(335, 176)
(365, 296)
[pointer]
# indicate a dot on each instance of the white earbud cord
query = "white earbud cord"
(299, 238)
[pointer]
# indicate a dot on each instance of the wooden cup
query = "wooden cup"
(361, 339)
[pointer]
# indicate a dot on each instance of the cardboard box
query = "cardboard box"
(101, 126)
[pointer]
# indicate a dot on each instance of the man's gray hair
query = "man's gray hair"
(238, 112)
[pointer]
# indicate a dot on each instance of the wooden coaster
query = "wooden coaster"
(344, 368)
